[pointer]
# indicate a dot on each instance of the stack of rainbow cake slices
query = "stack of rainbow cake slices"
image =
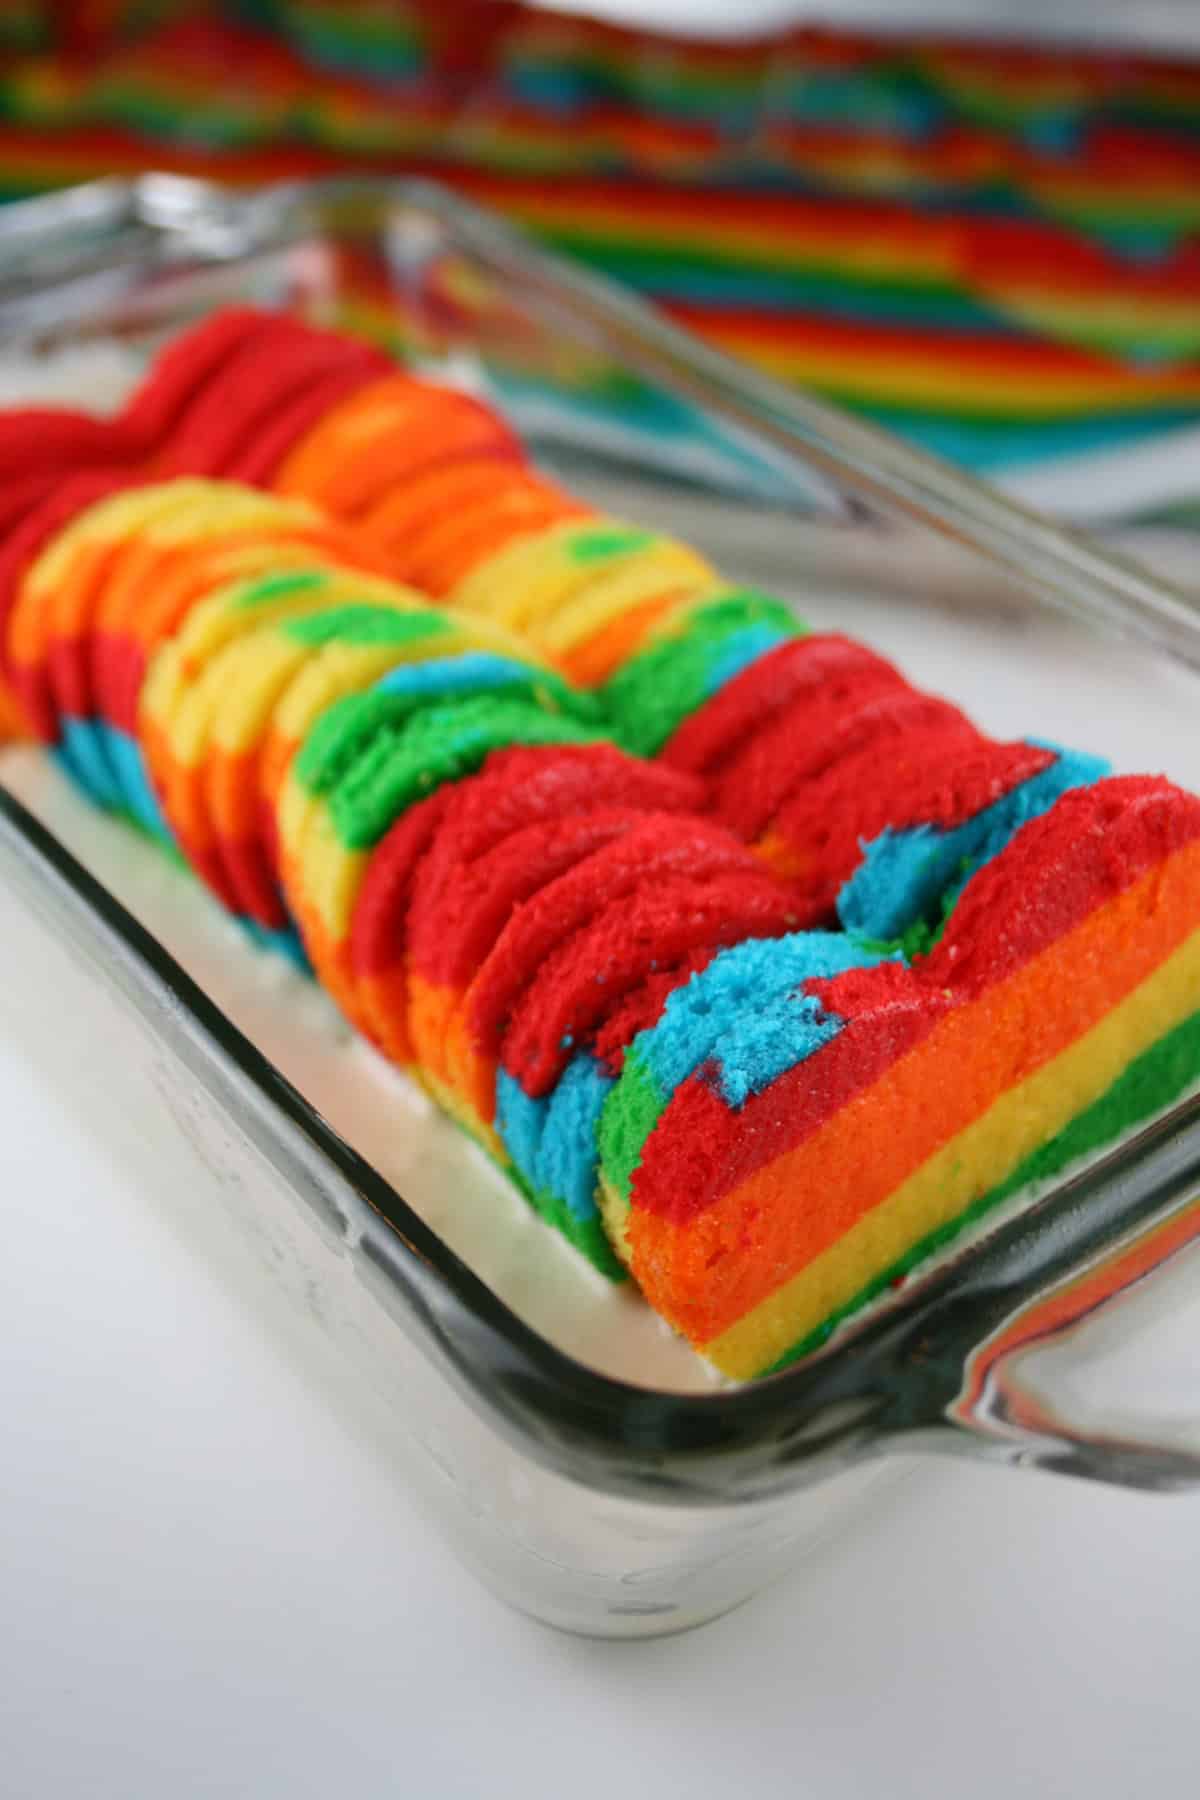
(759, 971)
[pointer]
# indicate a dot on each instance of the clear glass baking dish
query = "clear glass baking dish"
(590, 1468)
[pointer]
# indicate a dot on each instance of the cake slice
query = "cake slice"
(768, 1171)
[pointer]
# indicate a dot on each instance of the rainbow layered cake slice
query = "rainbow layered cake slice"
(804, 1122)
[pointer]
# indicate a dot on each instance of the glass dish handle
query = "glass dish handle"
(1003, 1364)
(1007, 1401)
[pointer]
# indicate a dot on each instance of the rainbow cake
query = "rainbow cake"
(988, 245)
(758, 970)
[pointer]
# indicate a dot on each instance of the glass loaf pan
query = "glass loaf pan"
(592, 1469)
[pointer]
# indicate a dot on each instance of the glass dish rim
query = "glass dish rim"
(895, 1379)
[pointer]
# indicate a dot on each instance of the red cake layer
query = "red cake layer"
(260, 377)
(702, 1148)
(44, 443)
(940, 776)
(662, 847)
(417, 864)
(378, 927)
(29, 679)
(183, 370)
(520, 788)
(804, 667)
(19, 497)
(459, 935)
(576, 987)
(251, 880)
(817, 733)
(1094, 842)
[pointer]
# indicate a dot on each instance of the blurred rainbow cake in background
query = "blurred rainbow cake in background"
(759, 971)
(991, 244)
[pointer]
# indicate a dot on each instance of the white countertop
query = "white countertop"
(209, 1586)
